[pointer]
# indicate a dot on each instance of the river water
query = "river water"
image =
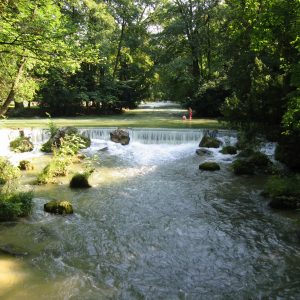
(153, 227)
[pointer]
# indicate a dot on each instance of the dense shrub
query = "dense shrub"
(13, 205)
(7, 171)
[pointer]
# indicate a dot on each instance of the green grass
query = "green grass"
(148, 118)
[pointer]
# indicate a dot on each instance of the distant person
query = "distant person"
(183, 117)
(190, 113)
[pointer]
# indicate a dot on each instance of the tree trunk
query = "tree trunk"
(119, 48)
(13, 88)
(19, 105)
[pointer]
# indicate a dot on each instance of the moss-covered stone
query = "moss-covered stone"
(246, 153)
(259, 159)
(55, 140)
(285, 202)
(242, 167)
(80, 181)
(210, 142)
(229, 150)
(204, 152)
(209, 166)
(21, 144)
(59, 207)
(25, 165)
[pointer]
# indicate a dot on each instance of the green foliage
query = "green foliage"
(283, 186)
(21, 144)
(63, 157)
(8, 172)
(13, 205)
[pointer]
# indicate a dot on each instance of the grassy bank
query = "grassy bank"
(148, 118)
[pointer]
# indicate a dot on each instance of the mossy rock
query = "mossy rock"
(25, 165)
(260, 160)
(229, 150)
(246, 153)
(204, 152)
(21, 144)
(59, 207)
(242, 167)
(210, 142)
(209, 166)
(285, 202)
(79, 181)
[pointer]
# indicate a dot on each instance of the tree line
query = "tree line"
(238, 59)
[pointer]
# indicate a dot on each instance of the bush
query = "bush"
(13, 205)
(80, 181)
(7, 171)
(283, 186)
(21, 144)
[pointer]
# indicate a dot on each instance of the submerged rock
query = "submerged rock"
(12, 250)
(59, 207)
(79, 181)
(229, 150)
(203, 152)
(210, 142)
(25, 165)
(209, 166)
(120, 136)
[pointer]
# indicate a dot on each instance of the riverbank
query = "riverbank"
(147, 117)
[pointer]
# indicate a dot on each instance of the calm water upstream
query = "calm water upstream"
(154, 227)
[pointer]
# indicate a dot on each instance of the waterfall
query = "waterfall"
(150, 135)
(141, 135)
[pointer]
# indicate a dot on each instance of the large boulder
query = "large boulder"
(25, 165)
(59, 207)
(242, 167)
(210, 142)
(21, 144)
(120, 136)
(79, 181)
(55, 140)
(209, 166)
(229, 150)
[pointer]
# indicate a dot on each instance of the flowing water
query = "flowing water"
(152, 227)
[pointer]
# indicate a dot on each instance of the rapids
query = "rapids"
(152, 227)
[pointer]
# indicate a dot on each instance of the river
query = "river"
(153, 226)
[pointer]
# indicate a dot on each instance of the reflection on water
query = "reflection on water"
(153, 226)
